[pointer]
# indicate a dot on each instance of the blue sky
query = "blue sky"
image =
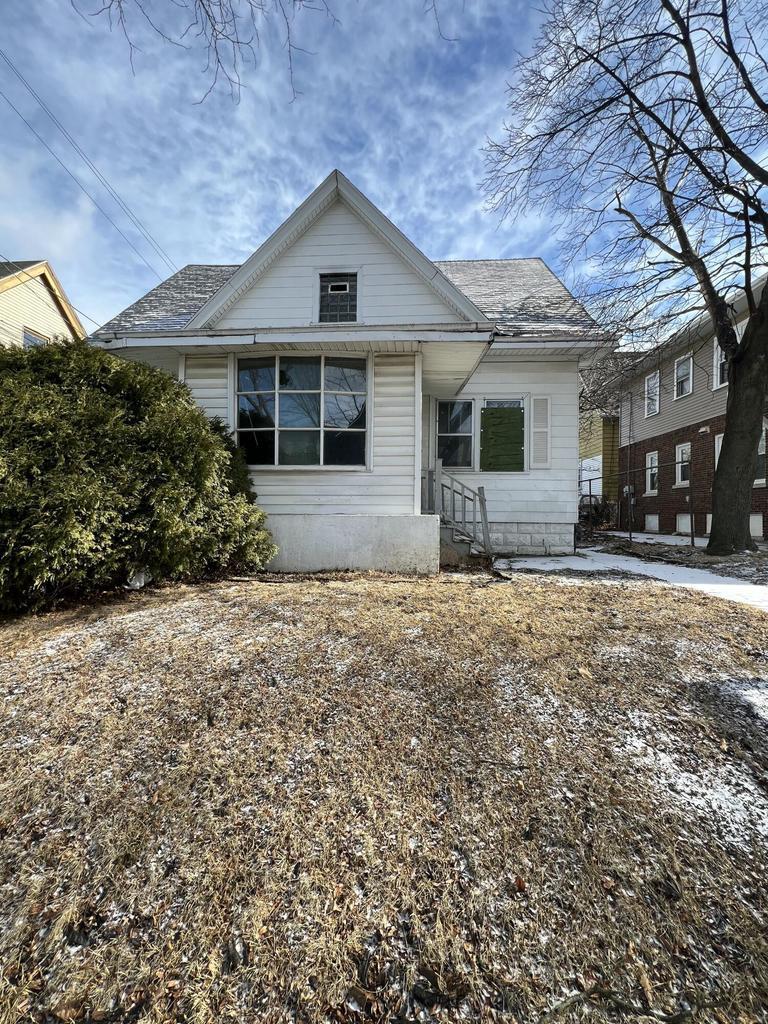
(401, 111)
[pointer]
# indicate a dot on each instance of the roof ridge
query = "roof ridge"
(497, 259)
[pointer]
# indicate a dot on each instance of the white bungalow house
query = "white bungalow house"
(376, 392)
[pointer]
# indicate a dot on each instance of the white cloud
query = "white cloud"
(402, 112)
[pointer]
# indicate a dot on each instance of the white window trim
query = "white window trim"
(657, 375)
(473, 466)
(369, 370)
(718, 446)
(678, 463)
(648, 493)
(682, 359)
(716, 367)
(337, 268)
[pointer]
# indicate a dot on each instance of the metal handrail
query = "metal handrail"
(459, 506)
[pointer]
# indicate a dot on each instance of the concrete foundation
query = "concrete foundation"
(312, 543)
(532, 538)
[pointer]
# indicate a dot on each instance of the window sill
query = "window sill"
(719, 387)
(759, 483)
(649, 494)
(309, 469)
(681, 486)
(650, 415)
(678, 398)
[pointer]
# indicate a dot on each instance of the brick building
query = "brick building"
(672, 417)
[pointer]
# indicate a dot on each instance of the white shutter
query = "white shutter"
(540, 431)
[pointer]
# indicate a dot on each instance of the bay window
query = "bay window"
(302, 410)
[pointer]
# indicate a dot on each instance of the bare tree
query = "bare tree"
(642, 126)
(229, 31)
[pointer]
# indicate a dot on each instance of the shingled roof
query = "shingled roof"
(521, 296)
(172, 304)
(13, 267)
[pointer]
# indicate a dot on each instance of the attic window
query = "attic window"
(338, 298)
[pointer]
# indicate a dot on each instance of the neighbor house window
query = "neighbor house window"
(720, 368)
(454, 433)
(760, 474)
(302, 410)
(652, 393)
(718, 446)
(683, 464)
(502, 436)
(31, 339)
(338, 298)
(651, 472)
(683, 376)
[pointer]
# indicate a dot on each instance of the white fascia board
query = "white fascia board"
(287, 336)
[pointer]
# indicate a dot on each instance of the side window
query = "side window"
(683, 464)
(760, 472)
(683, 376)
(720, 368)
(454, 434)
(652, 393)
(502, 436)
(31, 339)
(652, 473)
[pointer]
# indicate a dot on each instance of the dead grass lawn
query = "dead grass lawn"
(377, 798)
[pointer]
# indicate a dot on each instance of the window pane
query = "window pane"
(455, 451)
(259, 447)
(299, 373)
(338, 298)
(454, 418)
(344, 448)
(299, 447)
(299, 410)
(256, 374)
(345, 411)
(345, 374)
(256, 410)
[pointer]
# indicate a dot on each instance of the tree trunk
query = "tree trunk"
(736, 467)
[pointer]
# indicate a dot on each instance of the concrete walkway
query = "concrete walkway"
(588, 561)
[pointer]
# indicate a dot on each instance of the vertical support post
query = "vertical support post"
(591, 517)
(439, 487)
(484, 522)
(691, 513)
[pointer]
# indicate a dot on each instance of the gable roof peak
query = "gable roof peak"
(335, 186)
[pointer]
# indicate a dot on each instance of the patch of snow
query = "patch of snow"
(753, 692)
(721, 790)
(728, 588)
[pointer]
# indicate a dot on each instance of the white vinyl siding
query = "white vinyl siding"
(389, 291)
(30, 305)
(538, 495)
(208, 379)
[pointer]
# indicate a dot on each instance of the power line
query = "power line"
(79, 150)
(80, 186)
(43, 297)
